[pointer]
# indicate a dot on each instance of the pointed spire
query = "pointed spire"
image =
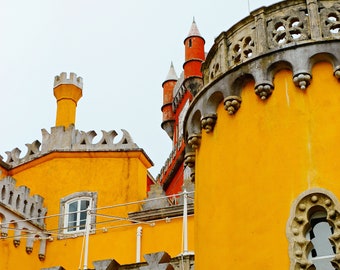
(194, 30)
(172, 76)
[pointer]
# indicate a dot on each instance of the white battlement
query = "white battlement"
(72, 79)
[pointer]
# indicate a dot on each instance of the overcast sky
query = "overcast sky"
(121, 48)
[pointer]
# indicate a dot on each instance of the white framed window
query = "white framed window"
(76, 212)
(73, 209)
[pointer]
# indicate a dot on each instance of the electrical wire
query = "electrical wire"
(51, 232)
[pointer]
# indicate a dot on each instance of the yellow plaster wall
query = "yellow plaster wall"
(255, 163)
(117, 177)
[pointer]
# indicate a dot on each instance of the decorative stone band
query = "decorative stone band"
(227, 88)
(70, 139)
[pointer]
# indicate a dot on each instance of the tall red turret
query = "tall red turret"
(194, 52)
(177, 95)
(168, 113)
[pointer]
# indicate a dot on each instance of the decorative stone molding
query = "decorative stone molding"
(264, 90)
(208, 122)
(194, 140)
(298, 224)
(302, 80)
(232, 104)
(73, 140)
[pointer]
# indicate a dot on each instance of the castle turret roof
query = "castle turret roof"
(194, 30)
(172, 76)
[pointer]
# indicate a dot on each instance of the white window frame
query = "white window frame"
(64, 228)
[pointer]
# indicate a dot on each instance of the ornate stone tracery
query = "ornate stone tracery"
(299, 223)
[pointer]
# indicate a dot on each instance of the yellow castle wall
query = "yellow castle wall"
(255, 163)
(117, 177)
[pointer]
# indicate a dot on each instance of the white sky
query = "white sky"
(121, 48)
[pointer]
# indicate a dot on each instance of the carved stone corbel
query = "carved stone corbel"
(302, 80)
(264, 90)
(232, 104)
(16, 242)
(208, 122)
(189, 159)
(194, 140)
(337, 72)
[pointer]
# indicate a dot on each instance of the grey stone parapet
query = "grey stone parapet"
(72, 140)
(280, 26)
(20, 201)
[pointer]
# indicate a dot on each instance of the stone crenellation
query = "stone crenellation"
(63, 79)
(70, 139)
(19, 200)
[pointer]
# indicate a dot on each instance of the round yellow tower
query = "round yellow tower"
(263, 136)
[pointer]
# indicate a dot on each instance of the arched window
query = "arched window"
(76, 214)
(312, 233)
(73, 210)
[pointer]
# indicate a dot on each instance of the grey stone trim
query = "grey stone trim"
(64, 201)
(72, 140)
(20, 201)
(298, 223)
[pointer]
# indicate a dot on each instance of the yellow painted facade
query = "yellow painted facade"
(57, 175)
(272, 152)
